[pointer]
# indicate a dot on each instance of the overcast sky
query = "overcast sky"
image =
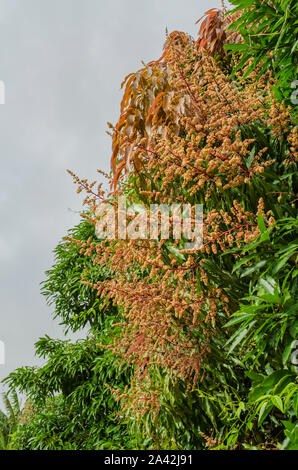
(62, 62)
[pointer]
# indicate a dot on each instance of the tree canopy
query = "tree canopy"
(187, 349)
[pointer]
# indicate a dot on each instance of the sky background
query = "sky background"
(62, 62)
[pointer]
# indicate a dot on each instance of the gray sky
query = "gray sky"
(62, 62)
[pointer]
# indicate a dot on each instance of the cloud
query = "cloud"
(62, 62)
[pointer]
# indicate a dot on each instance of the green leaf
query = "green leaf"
(241, 262)
(268, 384)
(277, 401)
(281, 263)
(253, 268)
(261, 223)
(240, 336)
(268, 284)
(287, 352)
(251, 157)
(264, 410)
(239, 319)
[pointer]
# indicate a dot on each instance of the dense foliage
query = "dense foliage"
(269, 31)
(9, 419)
(69, 405)
(185, 349)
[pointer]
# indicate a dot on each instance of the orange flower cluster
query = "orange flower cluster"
(194, 133)
(181, 138)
